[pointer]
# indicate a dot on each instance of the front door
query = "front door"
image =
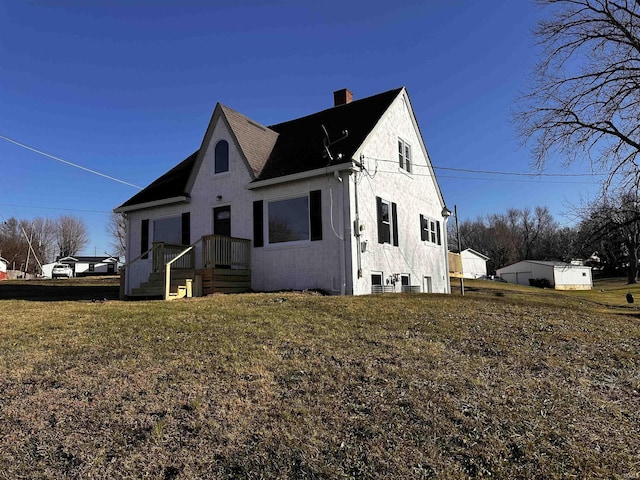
(222, 221)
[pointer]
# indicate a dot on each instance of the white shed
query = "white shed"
(560, 275)
(474, 264)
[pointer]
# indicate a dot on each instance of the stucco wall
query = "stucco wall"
(330, 264)
(414, 193)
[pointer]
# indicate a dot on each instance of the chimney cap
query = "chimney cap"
(342, 97)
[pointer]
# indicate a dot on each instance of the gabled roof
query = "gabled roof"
(86, 259)
(283, 149)
(476, 253)
(255, 141)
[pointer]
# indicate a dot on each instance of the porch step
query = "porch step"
(154, 287)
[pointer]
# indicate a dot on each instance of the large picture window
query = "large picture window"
(289, 220)
(168, 230)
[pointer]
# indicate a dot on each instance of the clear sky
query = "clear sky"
(128, 91)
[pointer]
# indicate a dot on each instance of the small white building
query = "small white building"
(84, 266)
(560, 275)
(474, 264)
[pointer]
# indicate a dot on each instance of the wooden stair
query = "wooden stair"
(213, 280)
(154, 287)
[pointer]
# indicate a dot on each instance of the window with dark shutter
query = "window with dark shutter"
(186, 228)
(423, 228)
(394, 219)
(315, 214)
(144, 238)
(384, 226)
(258, 224)
(438, 232)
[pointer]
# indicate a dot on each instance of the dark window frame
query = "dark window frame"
(221, 157)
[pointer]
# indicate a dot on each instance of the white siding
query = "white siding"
(473, 266)
(330, 264)
(414, 193)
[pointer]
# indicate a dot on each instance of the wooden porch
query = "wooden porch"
(224, 267)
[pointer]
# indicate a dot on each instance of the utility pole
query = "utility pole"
(455, 210)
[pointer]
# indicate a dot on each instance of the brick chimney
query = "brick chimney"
(342, 97)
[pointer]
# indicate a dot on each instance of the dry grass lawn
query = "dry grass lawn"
(503, 383)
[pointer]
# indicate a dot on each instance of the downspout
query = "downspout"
(343, 256)
(446, 213)
(356, 228)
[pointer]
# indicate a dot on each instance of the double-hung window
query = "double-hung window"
(387, 221)
(430, 230)
(404, 155)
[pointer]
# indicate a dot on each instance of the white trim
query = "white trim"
(302, 175)
(155, 203)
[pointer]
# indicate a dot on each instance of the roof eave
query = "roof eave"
(155, 203)
(347, 166)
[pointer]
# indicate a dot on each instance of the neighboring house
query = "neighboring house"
(560, 275)
(84, 266)
(3, 269)
(474, 264)
(344, 201)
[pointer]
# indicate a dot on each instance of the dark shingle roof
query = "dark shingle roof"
(171, 184)
(286, 148)
(299, 147)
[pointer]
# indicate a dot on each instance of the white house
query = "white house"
(474, 264)
(344, 200)
(84, 266)
(3, 269)
(560, 275)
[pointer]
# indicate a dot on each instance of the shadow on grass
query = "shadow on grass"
(40, 292)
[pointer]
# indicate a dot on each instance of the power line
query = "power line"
(53, 208)
(493, 172)
(68, 162)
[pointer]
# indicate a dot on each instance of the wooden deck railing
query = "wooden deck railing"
(228, 251)
(164, 253)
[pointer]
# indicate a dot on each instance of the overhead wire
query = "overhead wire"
(67, 162)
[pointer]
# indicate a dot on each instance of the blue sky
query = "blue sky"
(128, 91)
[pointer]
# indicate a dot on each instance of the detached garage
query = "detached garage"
(560, 275)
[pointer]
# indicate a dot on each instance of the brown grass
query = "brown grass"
(506, 383)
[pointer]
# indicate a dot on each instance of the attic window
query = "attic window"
(404, 155)
(221, 157)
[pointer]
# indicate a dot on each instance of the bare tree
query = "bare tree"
(71, 235)
(611, 226)
(43, 233)
(117, 228)
(584, 102)
(517, 235)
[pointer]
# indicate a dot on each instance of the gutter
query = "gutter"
(155, 203)
(350, 166)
